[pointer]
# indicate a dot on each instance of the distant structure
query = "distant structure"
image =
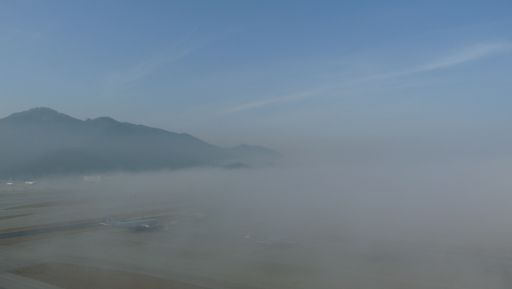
(92, 179)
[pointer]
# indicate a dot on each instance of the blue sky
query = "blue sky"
(257, 71)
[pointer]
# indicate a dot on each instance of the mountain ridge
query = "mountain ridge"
(42, 141)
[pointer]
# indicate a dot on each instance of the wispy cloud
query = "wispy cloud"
(467, 54)
(464, 55)
(127, 77)
(269, 101)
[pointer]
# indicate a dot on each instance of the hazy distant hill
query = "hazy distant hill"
(42, 141)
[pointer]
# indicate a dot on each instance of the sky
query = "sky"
(266, 72)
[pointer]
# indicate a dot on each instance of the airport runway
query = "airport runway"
(13, 281)
(39, 235)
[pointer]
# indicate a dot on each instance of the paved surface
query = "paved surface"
(12, 281)
(41, 227)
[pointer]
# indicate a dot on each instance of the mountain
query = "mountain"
(42, 141)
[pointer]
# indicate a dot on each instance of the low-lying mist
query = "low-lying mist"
(442, 203)
(440, 223)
